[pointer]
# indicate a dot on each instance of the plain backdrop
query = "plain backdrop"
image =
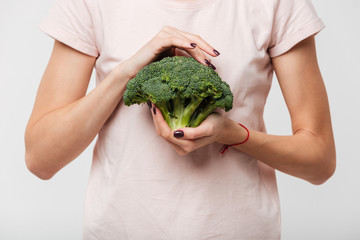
(45, 210)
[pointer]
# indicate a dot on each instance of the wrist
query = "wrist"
(127, 68)
(235, 135)
(232, 133)
(225, 136)
(118, 78)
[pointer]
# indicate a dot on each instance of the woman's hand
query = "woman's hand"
(215, 128)
(186, 140)
(169, 39)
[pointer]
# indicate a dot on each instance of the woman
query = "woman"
(148, 182)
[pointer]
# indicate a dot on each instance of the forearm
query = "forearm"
(304, 154)
(60, 136)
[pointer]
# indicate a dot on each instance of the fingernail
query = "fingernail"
(209, 64)
(193, 44)
(154, 110)
(149, 103)
(178, 134)
(216, 52)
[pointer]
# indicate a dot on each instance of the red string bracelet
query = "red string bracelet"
(226, 147)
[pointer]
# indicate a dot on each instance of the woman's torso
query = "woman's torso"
(139, 187)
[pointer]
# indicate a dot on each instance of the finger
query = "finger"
(153, 113)
(179, 42)
(196, 133)
(169, 43)
(205, 129)
(191, 145)
(170, 38)
(201, 43)
(182, 146)
(163, 129)
(160, 121)
(195, 52)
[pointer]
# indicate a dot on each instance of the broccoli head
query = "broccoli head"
(184, 90)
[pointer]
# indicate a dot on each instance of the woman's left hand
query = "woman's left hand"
(189, 139)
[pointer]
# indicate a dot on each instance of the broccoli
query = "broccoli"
(184, 90)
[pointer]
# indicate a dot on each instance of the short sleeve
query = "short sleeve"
(70, 22)
(294, 21)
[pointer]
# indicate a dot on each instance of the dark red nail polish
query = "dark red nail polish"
(178, 134)
(193, 44)
(209, 64)
(216, 52)
(149, 103)
(154, 110)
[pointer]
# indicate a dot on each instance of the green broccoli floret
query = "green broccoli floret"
(184, 90)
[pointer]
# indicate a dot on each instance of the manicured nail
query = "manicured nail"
(154, 110)
(149, 104)
(216, 52)
(193, 44)
(178, 134)
(209, 64)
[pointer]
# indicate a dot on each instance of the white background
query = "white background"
(41, 210)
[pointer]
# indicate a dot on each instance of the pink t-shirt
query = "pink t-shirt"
(139, 187)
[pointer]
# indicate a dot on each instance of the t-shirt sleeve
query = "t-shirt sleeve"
(70, 22)
(294, 21)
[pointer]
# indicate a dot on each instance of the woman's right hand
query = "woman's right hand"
(170, 39)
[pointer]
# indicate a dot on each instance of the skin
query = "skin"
(64, 120)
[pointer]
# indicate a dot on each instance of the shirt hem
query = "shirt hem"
(308, 30)
(65, 37)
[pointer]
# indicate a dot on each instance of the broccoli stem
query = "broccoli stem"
(182, 114)
(165, 112)
(190, 109)
(202, 115)
(178, 112)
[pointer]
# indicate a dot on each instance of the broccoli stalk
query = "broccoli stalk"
(202, 115)
(181, 112)
(165, 112)
(185, 91)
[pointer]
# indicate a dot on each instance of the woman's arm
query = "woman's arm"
(64, 120)
(309, 153)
